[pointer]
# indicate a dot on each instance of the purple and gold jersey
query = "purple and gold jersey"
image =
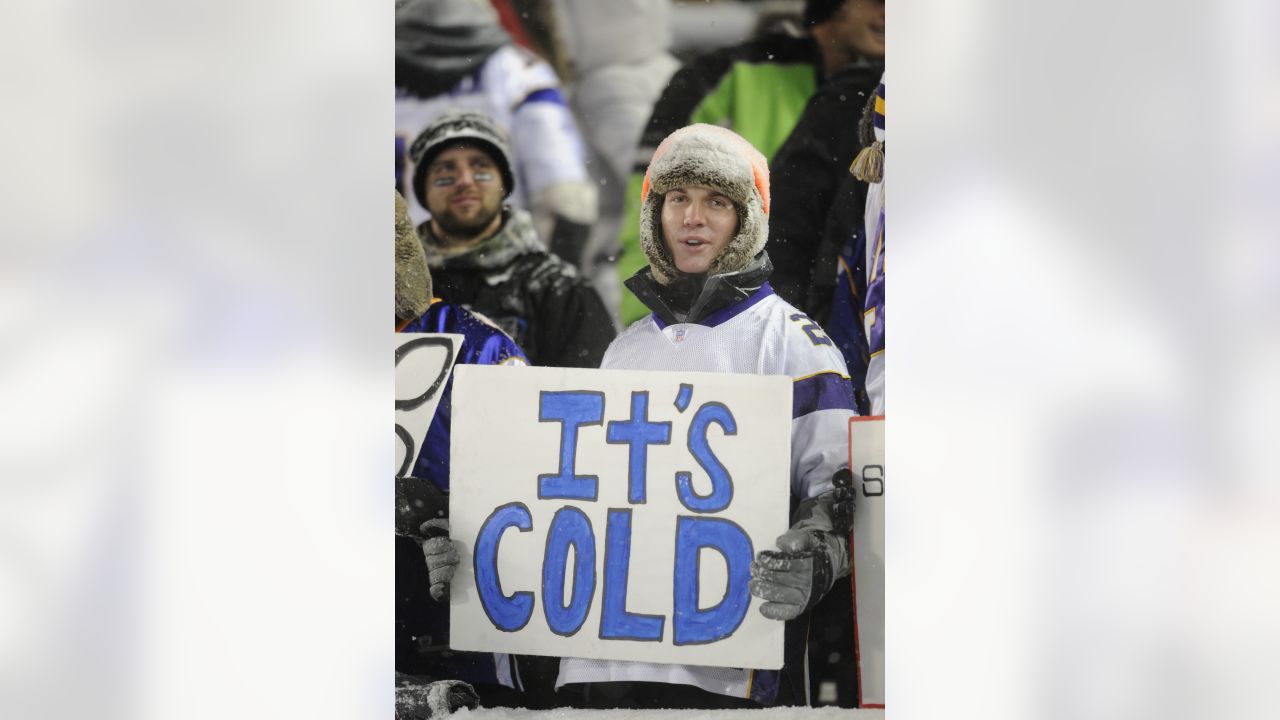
(873, 307)
(483, 344)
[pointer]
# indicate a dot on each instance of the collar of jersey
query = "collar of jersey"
(724, 314)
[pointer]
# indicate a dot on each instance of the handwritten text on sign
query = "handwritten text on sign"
(614, 514)
(423, 362)
(866, 460)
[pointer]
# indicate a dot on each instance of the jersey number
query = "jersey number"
(811, 329)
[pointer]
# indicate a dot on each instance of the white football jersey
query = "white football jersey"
(762, 335)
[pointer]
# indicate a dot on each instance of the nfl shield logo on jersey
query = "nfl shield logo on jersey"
(679, 334)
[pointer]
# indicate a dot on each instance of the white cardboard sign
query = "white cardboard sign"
(866, 460)
(614, 514)
(423, 364)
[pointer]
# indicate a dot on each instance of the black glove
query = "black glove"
(842, 502)
(417, 501)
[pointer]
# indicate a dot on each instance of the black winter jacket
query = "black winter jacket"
(553, 314)
(806, 179)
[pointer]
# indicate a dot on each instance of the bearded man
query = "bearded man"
(485, 255)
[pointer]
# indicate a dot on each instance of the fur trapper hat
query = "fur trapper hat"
(413, 279)
(717, 158)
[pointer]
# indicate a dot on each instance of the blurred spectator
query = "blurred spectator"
(618, 60)
(759, 89)
(486, 256)
(873, 219)
(819, 208)
(453, 54)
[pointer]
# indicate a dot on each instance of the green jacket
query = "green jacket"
(758, 89)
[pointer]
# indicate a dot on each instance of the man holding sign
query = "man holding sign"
(424, 556)
(703, 227)
(704, 230)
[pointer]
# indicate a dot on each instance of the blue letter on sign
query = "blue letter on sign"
(506, 613)
(694, 626)
(572, 409)
(616, 623)
(570, 526)
(639, 433)
(721, 484)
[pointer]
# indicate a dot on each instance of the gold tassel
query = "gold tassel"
(869, 165)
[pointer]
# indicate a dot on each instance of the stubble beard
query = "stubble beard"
(461, 230)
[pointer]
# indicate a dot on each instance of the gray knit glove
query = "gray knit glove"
(441, 555)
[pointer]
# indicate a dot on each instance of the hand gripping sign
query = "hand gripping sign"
(866, 460)
(614, 514)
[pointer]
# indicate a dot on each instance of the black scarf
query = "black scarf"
(690, 298)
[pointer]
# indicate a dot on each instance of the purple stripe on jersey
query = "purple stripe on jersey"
(875, 293)
(550, 95)
(764, 686)
(824, 391)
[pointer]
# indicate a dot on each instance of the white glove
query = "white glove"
(441, 556)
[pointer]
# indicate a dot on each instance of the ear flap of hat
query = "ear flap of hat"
(413, 279)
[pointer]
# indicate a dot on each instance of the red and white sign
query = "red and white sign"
(866, 460)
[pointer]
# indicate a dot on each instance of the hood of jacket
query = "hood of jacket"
(516, 237)
(702, 295)
(438, 42)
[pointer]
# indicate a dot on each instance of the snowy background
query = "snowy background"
(193, 382)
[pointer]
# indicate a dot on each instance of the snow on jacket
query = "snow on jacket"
(551, 312)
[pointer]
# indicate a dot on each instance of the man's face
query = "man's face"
(697, 223)
(464, 192)
(859, 24)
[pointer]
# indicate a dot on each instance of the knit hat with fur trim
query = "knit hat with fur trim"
(722, 160)
(457, 126)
